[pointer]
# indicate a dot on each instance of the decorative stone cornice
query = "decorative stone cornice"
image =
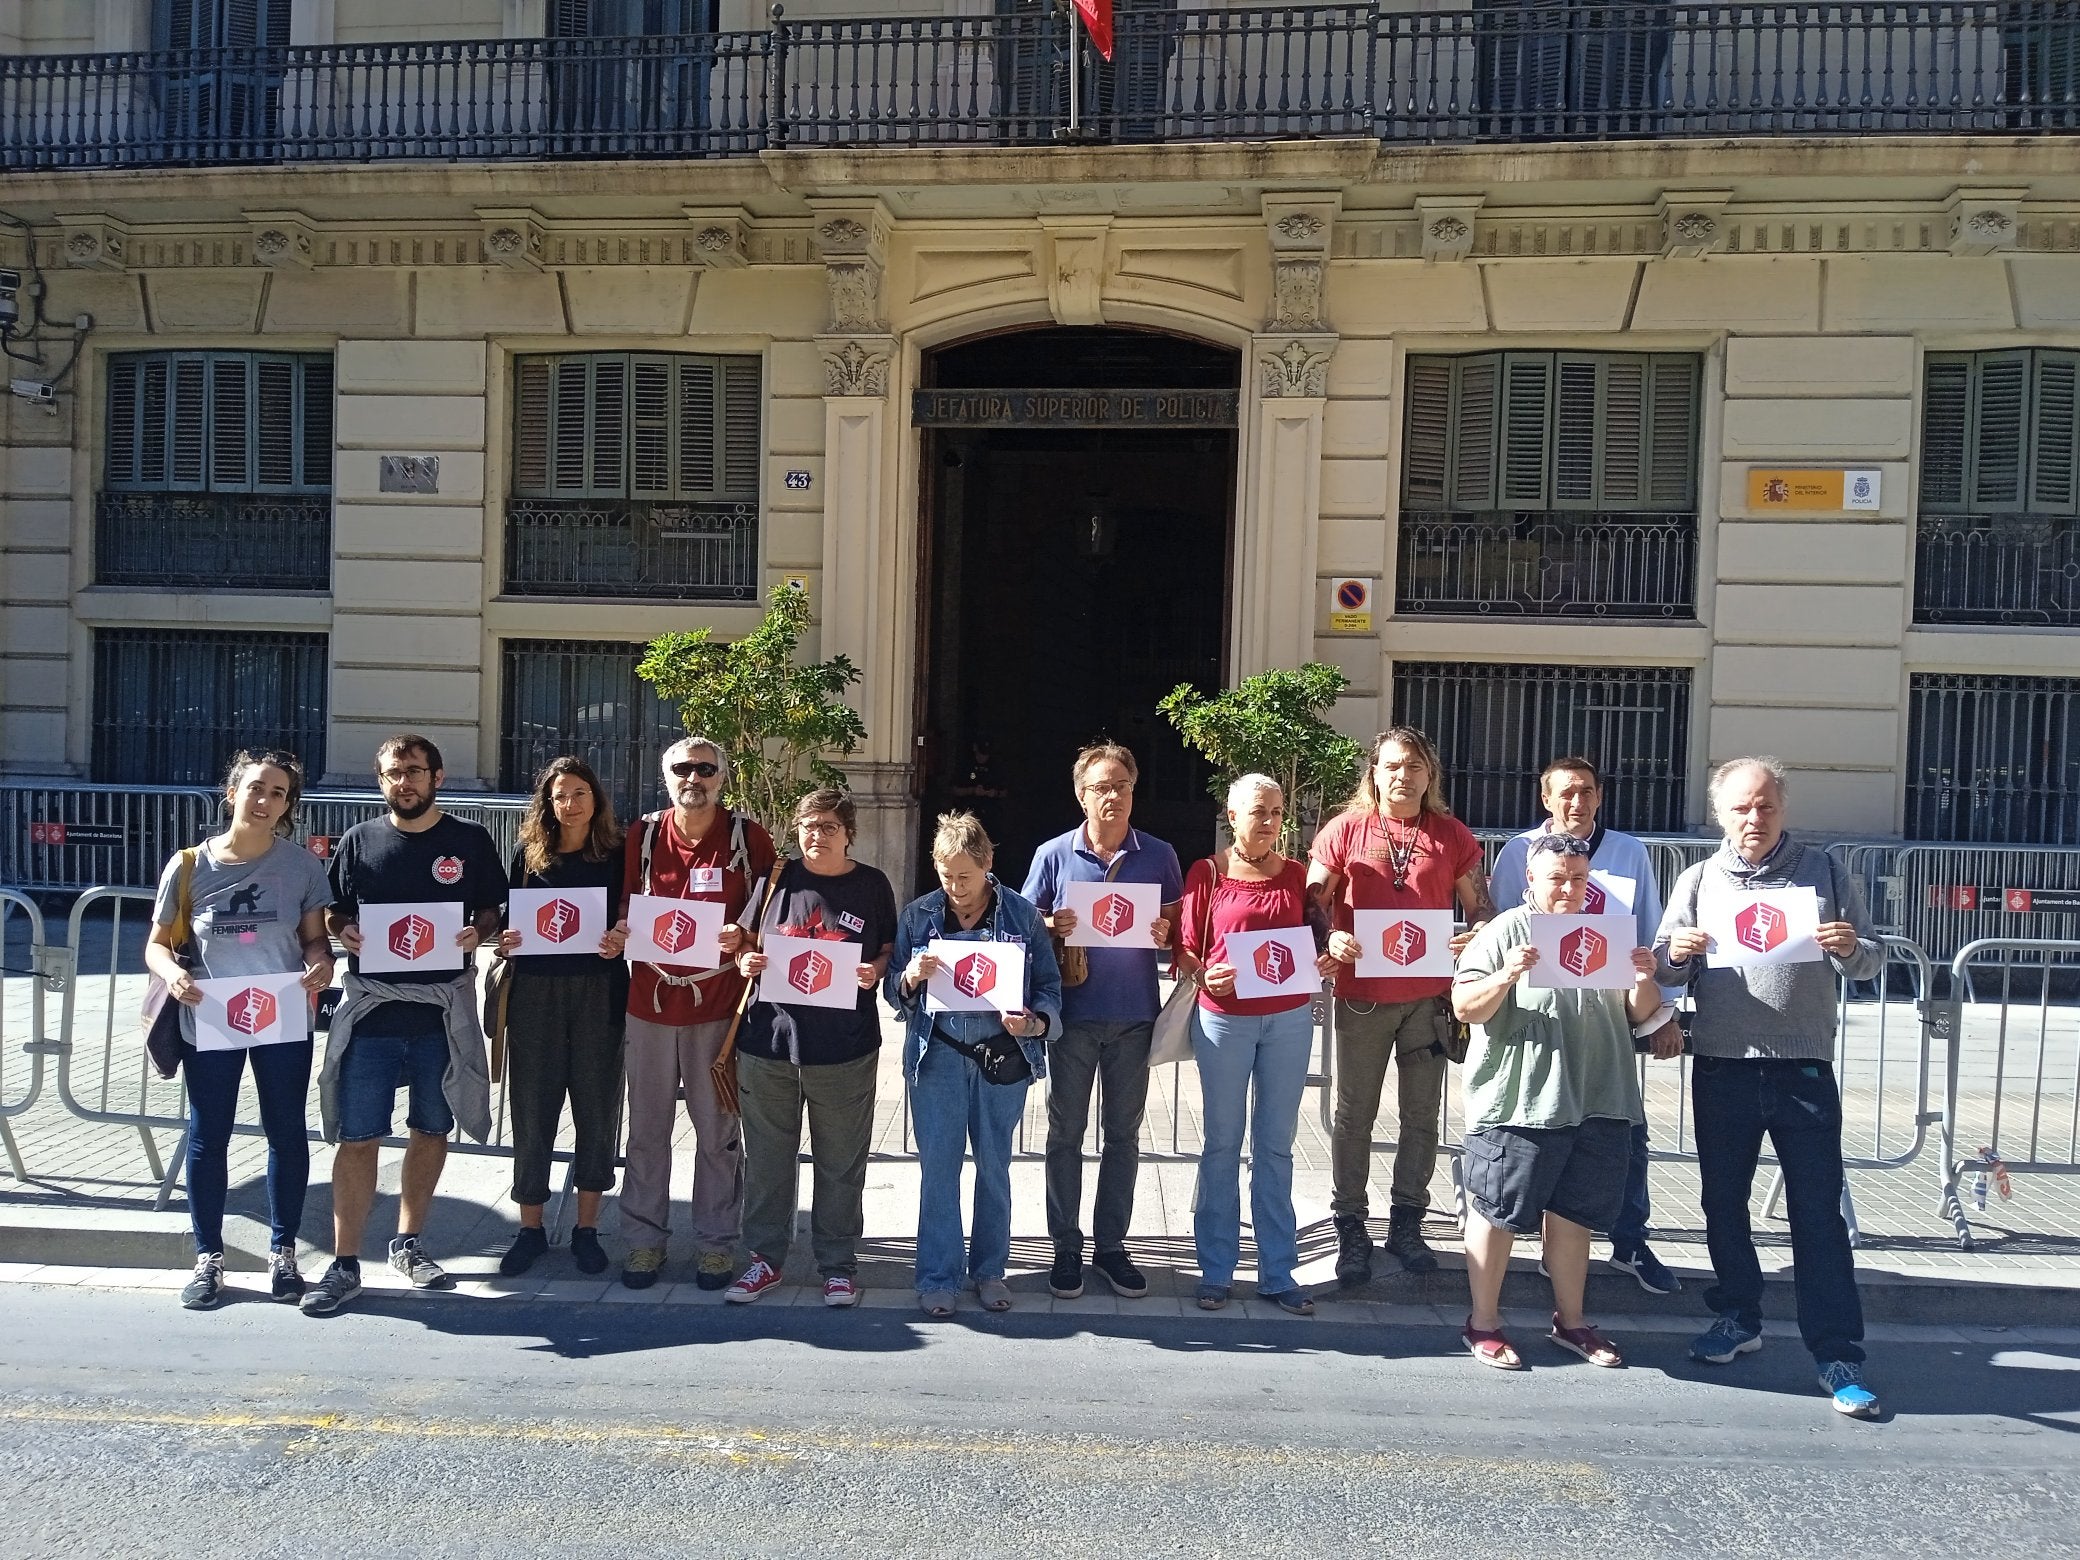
(1693, 222)
(721, 236)
(1299, 228)
(513, 237)
(852, 240)
(1446, 222)
(285, 240)
(856, 366)
(1984, 222)
(1294, 366)
(95, 243)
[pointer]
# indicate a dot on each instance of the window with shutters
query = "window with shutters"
(635, 475)
(1993, 760)
(628, 93)
(1570, 69)
(1550, 484)
(172, 705)
(2040, 61)
(1997, 538)
(222, 102)
(216, 471)
(583, 697)
(1497, 724)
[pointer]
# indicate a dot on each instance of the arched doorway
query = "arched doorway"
(1078, 503)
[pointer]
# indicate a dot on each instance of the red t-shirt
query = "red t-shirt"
(1234, 905)
(1354, 845)
(700, 870)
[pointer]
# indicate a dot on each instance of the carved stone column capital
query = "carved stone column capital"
(1299, 227)
(1294, 366)
(856, 365)
(852, 236)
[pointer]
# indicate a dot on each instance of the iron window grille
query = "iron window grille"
(582, 696)
(1993, 759)
(1997, 539)
(217, 471)
(1497, 724)
(635, 474)
(1550, 484)
(172, 706)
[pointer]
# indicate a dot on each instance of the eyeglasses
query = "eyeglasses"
(819, 826)
(399, 776)
(1108, 788)
(703, 768)
(1559, 845)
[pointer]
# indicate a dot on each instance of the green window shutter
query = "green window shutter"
(1527, 427)
(1476, 417)
(1622, 447)
(1426, 433)
(230, 422)
(314, 424)
(741, 446)
(570, 451)
(125, 417)
(531, 427)
(1579, 427)
(187, 423)
(1673, 386)
(275, 424)
(154, 425)
(1946, 418)
(700, 407)
(650, 428)
(2000, 440)
(610, 427)
(2054, 481)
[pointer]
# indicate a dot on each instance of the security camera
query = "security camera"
(34, 391)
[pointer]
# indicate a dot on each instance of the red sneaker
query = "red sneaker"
(754, 1281)
(840, 1291)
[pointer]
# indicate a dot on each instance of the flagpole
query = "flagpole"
(1075, 73)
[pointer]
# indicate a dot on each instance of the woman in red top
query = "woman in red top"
(1249, 887)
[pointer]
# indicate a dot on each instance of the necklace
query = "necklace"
(1401, 858)
(1259, 859)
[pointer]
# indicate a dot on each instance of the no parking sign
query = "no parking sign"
(1350, 606)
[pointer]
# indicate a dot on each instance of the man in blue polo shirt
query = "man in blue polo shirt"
(1108, 1021)
(1621, 877)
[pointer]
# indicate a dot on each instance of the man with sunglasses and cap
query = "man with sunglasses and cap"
(678, 1017)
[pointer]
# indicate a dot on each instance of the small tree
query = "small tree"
(775, 720)
(1272, 724)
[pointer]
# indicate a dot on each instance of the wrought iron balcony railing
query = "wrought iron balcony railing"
(2012, 569)
(1575, 72)
(1547, 565)
(214, 541)
(631, 548)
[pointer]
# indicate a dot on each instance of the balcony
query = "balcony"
(1562, 72)
(1546, 565)
(631, 549)
(213, 541)
(2016, 570)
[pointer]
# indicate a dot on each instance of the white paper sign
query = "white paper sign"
(1583, 952)
(1402, 942)
(684, 932)
(1778, 926)
(976, 977)
(248, 1010)
(411, 937)
(809, 972)
(1112, 915)
(1608, 893)
(557, 920)
(1273, 964)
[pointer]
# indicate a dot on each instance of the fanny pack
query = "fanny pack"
(999, 1058)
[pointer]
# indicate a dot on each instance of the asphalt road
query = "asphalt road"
(461, 1426)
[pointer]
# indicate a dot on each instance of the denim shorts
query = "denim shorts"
(1517, 1175)
(399, 1045)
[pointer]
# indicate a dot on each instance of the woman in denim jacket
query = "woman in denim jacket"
(953, 1103)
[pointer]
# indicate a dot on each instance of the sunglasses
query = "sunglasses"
(1559, 845)
(704, 769)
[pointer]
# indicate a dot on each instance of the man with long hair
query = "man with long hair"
(1395, 846)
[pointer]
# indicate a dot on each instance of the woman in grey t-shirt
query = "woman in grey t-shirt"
(256, 906)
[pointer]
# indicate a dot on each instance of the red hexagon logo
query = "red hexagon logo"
(1275, 963)
(1759, 927)
(1584, 951)
(809, 972)
(975, 976)
(674, 931)
(251, 1011)
(1113, 914)
(557, 921)
(1404, 943)
(412, 938)
(1594, 900)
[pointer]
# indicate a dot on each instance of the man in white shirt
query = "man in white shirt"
(1621, 877)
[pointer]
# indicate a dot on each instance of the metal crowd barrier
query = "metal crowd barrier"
(21, 954)
(323, 816)
(1946, 897)
(57, 836)
(2019, 1045)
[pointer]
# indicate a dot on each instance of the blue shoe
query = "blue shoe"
(1723, 1340)
(1652, 1273)
(1843, 1382)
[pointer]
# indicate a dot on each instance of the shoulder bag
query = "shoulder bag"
(1173, 1035)
(161, 1014)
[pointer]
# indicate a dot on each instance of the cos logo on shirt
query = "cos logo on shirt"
(447, 870)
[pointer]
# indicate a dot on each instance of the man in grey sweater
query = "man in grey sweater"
(1764, 1038)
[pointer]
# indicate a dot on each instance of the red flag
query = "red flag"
(1097, 21)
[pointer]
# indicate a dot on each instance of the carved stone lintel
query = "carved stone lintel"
(282, 239)
(1693, 222)
(721, 236)
(856, 365)
(513, 238)
(96, 243)
(1984, 222)
(1446, 222)
(1294, 366)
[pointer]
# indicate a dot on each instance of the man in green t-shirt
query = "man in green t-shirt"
(1552, 1095)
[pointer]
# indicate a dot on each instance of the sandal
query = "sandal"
(994, 1293)
(1490, 1348)
(1212, 1297)
(1294, 1302)
(937, 1302)
(1586, 1341)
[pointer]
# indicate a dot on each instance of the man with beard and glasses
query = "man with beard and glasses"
(412, 1029)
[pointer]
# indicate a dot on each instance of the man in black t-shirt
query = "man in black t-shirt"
(418, 1027)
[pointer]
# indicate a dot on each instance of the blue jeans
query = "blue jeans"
(1629, 1230)
(1797, 1105)
(953, 1106)
(400, 1045)
(1271, 1051)
(282, 1079)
